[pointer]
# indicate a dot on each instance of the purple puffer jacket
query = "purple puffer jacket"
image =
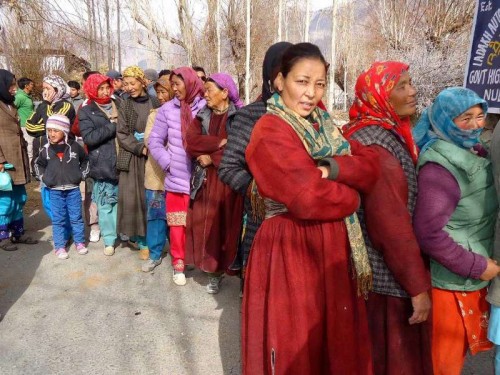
(165, 145)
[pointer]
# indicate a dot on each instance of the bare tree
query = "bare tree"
(247, 55)
(333, 56)
(118, 33)
(108, 34)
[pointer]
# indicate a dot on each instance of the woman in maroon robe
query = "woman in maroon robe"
(303, 306)
(215, 212)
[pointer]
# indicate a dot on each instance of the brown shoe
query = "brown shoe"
(144, 254)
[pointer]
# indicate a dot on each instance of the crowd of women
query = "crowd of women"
(380, 232)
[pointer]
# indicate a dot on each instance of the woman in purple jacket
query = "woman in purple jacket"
(167, 143)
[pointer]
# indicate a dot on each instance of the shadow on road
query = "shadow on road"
(19, 267)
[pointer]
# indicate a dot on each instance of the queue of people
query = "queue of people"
(366, 249)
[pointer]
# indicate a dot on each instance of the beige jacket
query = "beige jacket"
(154, 176)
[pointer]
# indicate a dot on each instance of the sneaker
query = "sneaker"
(109, 250)
(95, 235)
(150, 265)
(179, 278)
(81, 248)
(213, 284)
(62, 253)
(144, 254)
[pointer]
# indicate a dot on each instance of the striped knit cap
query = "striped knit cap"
(58, 122)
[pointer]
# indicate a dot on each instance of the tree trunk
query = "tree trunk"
(247, 65)
(91, 32)
(333, 57)
(217, 23)
(118, 31)
(186, 29)
(94, 35)
(280, 20)
(101, 35)
(306, 23)
(108, 34)
(5, 48)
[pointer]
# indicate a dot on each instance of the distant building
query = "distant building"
(53, 61)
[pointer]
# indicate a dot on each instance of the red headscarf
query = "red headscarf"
(371, 105)
(92, 84)
(194, 88)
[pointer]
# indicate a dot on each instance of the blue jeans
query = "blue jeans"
(64, 205)
(45, 194)
(156, 235)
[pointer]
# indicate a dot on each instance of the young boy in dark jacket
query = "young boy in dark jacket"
(61, 166)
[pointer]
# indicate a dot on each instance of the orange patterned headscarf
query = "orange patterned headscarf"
(372, 107)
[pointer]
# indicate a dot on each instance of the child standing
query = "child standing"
(61, 166)
(157, 231)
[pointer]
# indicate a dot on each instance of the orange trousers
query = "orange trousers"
(459, 323)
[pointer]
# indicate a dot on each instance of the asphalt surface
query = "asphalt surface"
(93, 314)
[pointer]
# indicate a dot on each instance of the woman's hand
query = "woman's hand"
(222, 143)
(324, 171)
(421, 308)
(204, 160)
(49, 95)
(2, 168)
(492, 270)
(145, 151)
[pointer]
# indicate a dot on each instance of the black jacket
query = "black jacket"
(99, 135)
(35, 125)
(66, 172)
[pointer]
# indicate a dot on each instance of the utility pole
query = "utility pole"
(247, 65)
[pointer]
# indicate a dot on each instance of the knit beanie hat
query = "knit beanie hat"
(58, 122)
(151, 74)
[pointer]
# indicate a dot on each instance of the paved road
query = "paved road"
(94, 314)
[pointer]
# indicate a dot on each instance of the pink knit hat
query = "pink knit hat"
(58, 122)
